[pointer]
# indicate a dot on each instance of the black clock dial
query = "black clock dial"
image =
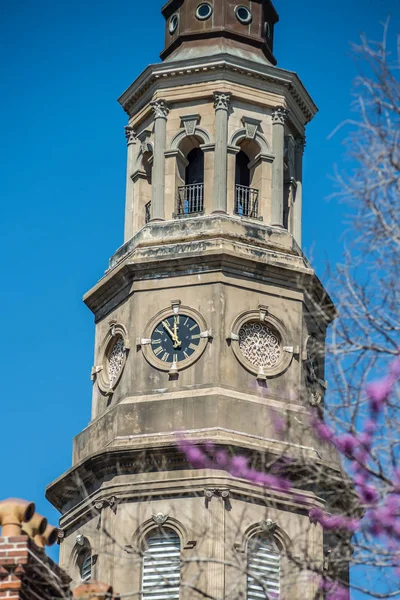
(175, 338)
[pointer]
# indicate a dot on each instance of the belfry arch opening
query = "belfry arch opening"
(246, 192)
(190, 199)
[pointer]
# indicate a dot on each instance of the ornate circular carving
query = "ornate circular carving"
(261, 343)
(113, 354)
(116, 359)
(167, 342)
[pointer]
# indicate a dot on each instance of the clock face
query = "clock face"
(176, 338)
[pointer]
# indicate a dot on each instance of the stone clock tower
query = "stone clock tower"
(209, 321)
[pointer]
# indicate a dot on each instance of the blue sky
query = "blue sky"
(62, 185)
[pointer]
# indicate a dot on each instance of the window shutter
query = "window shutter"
(263, 575)
(86, 566)
(161, 573)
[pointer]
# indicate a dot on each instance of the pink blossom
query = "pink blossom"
(368, 494)
(395, 368)
(195, 456)
(239, 466)
(222, 458)
(322, 430)
(347, 444)
(379, 392)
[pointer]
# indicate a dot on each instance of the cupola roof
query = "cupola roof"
(197, 28)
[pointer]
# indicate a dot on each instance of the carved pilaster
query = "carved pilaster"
(222, 103)
(279, 116)
(160, 111)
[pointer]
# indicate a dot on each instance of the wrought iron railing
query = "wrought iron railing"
(147, 209)
(190, 199)
(246, 201)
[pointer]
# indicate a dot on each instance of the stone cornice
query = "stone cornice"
(80, 483)
(224, 244)
(226, 66)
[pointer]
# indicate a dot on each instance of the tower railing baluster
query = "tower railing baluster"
(190, 199)
(246, 201)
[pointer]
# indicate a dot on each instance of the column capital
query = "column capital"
(222, 100)
(130, 135)
(279, 115)
(301, 143)
(160, 109)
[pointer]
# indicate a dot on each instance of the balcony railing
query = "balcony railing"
(246, 201)
(148, 212)
(190, 199)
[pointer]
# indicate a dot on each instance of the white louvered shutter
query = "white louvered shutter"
(86, 566)
(161, 573)
(263, 573)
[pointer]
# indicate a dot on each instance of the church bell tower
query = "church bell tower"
(209, 322)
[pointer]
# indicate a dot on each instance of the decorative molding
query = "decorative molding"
(259, 139)
(144, 138)
(223, 67)
(313, 371)
(199, 132)
(301, 144)
(279, 115)
(160, 519)
(189, 123)
(224, 494)
(176, 306)
(269, 158)
(178, 155)
(139, 537)
(107, 502)
(207, 147)
(60, 536)
(130, 135)
(251, 126)
(268, 528)
(222, 100)
(264, 310)
(160, 109)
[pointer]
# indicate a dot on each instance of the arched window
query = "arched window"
(191, 195)
(246, 198)
(242, 176)
(85, 562)
(195, 168)
(161, 571)
(263, 568)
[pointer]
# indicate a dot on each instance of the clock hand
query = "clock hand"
(174, 337)
(177, 340)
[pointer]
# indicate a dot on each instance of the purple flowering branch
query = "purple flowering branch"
(382, 516)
